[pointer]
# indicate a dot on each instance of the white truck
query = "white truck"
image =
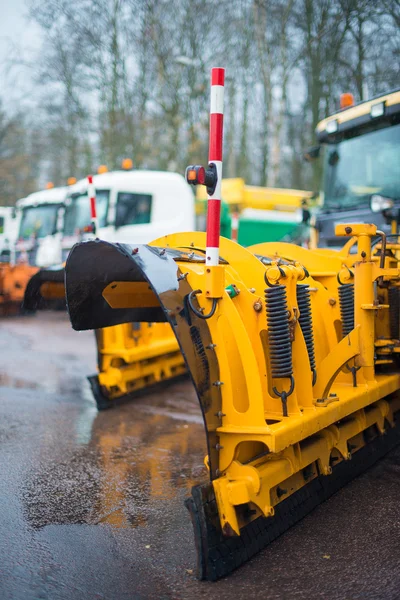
(41, 217)
(8, 232)
(132, 207)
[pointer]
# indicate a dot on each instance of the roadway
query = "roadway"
(91, 504)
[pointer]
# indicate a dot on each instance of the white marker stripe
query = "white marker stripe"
(217, 192)
(217, 99)
(212, 257)
(91, 190)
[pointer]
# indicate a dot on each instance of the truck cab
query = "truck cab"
(40, 227)
(8, 232)
(132, 207)
(361, 167)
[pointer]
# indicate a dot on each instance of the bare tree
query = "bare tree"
(17, 168)
(130, 78)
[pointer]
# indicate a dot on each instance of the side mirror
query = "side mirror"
(312, 153)
(14, 212)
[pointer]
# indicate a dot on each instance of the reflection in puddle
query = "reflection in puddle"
(143, 461)
(121, 468)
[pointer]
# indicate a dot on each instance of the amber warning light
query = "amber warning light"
(346, 100)
(198, 175)
(127, 164)
(195, 175)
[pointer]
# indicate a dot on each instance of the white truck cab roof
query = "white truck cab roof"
(135, 181)
(54, 195)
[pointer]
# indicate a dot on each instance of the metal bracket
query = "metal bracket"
(322, 402)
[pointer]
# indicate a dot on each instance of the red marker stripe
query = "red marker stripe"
(213, 223)
(217, 76)
(216, 136)
(93, 208)
(92, 197)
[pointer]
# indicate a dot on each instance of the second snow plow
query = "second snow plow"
(134, 357)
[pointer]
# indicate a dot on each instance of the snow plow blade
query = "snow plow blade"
(297, 380)
(131, 358)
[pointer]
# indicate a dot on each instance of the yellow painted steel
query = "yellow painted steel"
(237, 193)
(133, 356)
(52, 290)
(263, 455)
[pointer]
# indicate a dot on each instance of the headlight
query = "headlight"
(332, 126)
(377, 110)
(380, 203)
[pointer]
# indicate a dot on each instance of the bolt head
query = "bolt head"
(348, 230)
(257, 306)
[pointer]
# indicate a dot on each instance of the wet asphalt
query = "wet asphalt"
(91, 504)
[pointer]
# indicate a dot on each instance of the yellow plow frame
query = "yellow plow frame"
(294, 361)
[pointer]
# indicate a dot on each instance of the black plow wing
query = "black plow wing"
(95, 266)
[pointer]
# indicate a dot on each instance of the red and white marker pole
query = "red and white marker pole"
(215, 156)
(92, 199)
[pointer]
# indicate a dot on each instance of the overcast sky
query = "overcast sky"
(19, 39)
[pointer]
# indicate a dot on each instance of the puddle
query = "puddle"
(131, 466)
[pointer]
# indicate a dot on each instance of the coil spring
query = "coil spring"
(306, 324)
(394, 312)
(280, 346)
(346, 301)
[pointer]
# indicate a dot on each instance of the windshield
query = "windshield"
(359, 167)
(77, 213)
(38, 221)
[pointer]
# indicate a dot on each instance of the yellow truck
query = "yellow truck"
(360, 150)
(263, 214)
